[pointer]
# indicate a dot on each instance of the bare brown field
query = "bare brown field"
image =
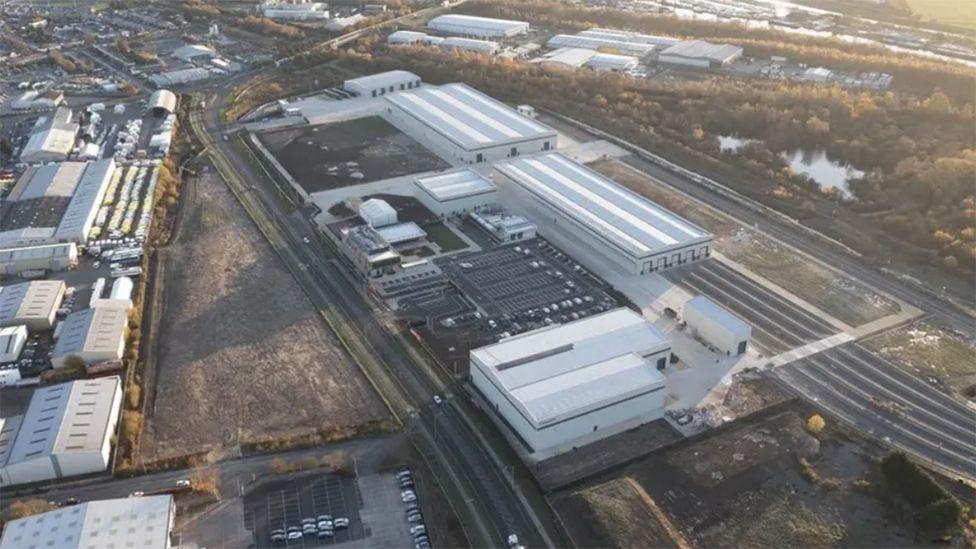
(242, 354)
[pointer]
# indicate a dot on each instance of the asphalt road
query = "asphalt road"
(317, 270)
(859, 387)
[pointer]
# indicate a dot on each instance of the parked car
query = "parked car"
(408, 496)
(403, 472)
(418, 529)
(183, 483)
(325, 534)
(278, 535)
(341, 522)
(438, 400)
(325, 525)
(309, 529)
(293, 535)
(137, 494)
(415, 518)
(413, 507)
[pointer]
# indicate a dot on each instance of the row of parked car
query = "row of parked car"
(415, 518)
(322, 527)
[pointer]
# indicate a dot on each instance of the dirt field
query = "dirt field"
(933, 354)
(242, 355)
(838, 295)
(764, 482)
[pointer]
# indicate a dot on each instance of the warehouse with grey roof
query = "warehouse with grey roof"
(66, 431)
(33, 304)
(596, 220)
(94, 335)
(465, 126)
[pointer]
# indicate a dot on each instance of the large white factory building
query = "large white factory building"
(595, 219)
(465, 126)
(470, 25)
(565, 386)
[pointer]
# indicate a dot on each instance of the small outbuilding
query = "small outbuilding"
(716, 326)
(377, 213)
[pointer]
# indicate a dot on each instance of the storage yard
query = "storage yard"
(348, 153)
(266, 345)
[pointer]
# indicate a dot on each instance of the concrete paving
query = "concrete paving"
(382, 514)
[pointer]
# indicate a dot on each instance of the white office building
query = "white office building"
(382, 83)
(568, 385)
(455, 192)
(66, 431)
(602, 224)
(465, 126)
(33, 304)
(717, 327)
(95, 335)
(138, 523)
(469, 25)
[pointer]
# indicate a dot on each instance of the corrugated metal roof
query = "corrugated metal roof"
(568, 369)
(91, 331)
(487, 23)
(138, 522)
(594, 43)
(628, 221)
(39, 252)
(468, 117)
(87, 198)
(699, 49)
(401, 232)
(381, 80)
(29, 300)
(9, 426)
(455, 184)
(469, 44)
(57, 179)
(571, 57)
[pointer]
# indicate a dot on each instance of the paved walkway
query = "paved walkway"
(809, 349)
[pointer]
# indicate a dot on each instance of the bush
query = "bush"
(939, 515)
(20, 509)
(910, 481)
(816, 423)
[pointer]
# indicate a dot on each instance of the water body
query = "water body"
(827, 173)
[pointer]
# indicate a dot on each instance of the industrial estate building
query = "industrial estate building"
(382, 83)
(567, 385)
(455, 192)
(33, 304)
(95, 335)
(66, 431)
(161, 103)
(49, 257)
(575, 58)
(12, 340)
(469, 25)
(294, 11)
(52, 138)
(635, 49)
(700, 54)
(718, 328)
(486, 47)
(54, 203)
(595, 219)
(466, 126)
(139, 522)
(194, 52)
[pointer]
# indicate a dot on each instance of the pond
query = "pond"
(827, 173)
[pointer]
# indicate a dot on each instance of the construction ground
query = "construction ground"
(242, 357)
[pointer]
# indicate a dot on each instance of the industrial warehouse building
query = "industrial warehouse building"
(49, 257)
(12, 340)
(52, 138)
(469, 25)
(33, 304)
(139, 522)
(298, 11)
(717, 327)
(383, 83)
(94, 335)
(195, 52)
(54, 203)
(66, 431)
(700, 54)
(465, 126)
(564, 386)
(575, 58)
(627, 36)
(403, 37)
(635, 49)
(161, 103)
(596, 220)
(486, 47)
(455, 192)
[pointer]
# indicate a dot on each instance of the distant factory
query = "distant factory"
(482, 27)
